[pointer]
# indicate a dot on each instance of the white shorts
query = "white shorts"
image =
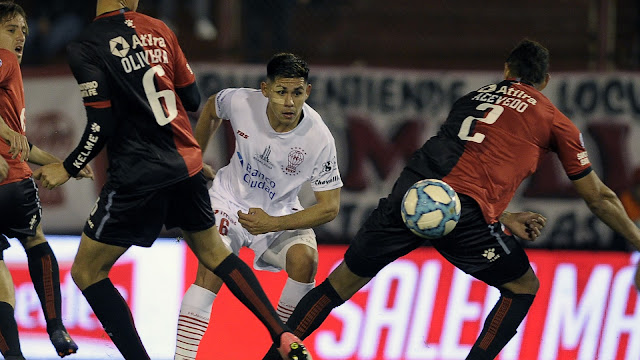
(270, 249)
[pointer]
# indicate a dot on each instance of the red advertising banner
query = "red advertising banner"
(421, 307)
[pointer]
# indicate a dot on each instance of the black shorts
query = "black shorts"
(20, 210)
(475, 247)
(136, 219)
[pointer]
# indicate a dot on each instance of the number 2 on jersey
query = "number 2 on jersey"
(490, 118)
(154, 96)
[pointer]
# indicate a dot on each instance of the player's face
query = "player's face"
(286, 98)
(13, 33)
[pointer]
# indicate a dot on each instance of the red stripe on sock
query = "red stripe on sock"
(311, 315)
(3, 344)
(192, 323)
(260, 307)
(47, 281)
(501, 312)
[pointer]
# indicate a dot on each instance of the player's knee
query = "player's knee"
(78, 275)
(83, 276)
(302, 263)
(31, 241)
(527, 284)
(533, 285)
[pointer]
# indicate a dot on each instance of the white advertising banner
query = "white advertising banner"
(379, 117)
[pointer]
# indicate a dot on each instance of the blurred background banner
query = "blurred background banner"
(378, 118)
(419, 307)
(153, 293)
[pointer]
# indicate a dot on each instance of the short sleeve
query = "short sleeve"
(326, 175)
(183, 74)
(568, 143)
(223, 103)
(93, 82)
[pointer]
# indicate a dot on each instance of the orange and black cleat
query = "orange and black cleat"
(63, 342)
(291, 348)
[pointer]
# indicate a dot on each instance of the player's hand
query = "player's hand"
(19, 145)
(52, 175)
(256, 221)
(525, 225)
(208, 171)
(4, 169)
(86, 173)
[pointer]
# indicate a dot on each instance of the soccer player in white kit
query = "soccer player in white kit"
(281, 143)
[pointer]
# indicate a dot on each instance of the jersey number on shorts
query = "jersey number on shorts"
(490, 118)
(223, 228)
(154, 96)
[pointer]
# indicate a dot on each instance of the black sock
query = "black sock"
(115, 316)
(45, 275)
(501, 325)
(310, 313)
(9, 340)
(245, 286)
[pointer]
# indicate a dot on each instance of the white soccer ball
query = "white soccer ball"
(430, 208)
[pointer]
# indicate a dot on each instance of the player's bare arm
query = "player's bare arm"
(42, 157)
(525, 225)
(18, 142)
(208, 123)
(4, 169)
(326, 208)
(605, 204)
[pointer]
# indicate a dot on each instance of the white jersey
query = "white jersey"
(268, 168)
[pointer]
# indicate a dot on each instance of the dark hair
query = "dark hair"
(529, 61)
(287, 65)
(9, 10)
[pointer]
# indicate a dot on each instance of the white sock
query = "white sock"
(193, 321)
(291, 294)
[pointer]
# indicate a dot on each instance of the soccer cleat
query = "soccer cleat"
(291, 348)
(63, 342)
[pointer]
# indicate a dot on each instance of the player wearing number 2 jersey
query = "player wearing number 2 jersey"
(491, 141)
(281, 144)
(136, 86)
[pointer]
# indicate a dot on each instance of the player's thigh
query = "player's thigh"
(124, 219)
(94, 260)
(483, 250)
(7, 292)
(37, 239)
(21, 211)
(382, 239)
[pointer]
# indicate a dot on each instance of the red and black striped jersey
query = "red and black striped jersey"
(128, 66)
(13, 112)
(494, 138)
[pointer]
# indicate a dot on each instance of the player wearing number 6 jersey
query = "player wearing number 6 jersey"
(491, 141)
(136, 86)
(281, 144)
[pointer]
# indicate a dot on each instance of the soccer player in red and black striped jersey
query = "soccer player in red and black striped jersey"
(491, 141)
(20, 210)
(136, 86)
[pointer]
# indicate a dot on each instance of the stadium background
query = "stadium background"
(384, 75)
